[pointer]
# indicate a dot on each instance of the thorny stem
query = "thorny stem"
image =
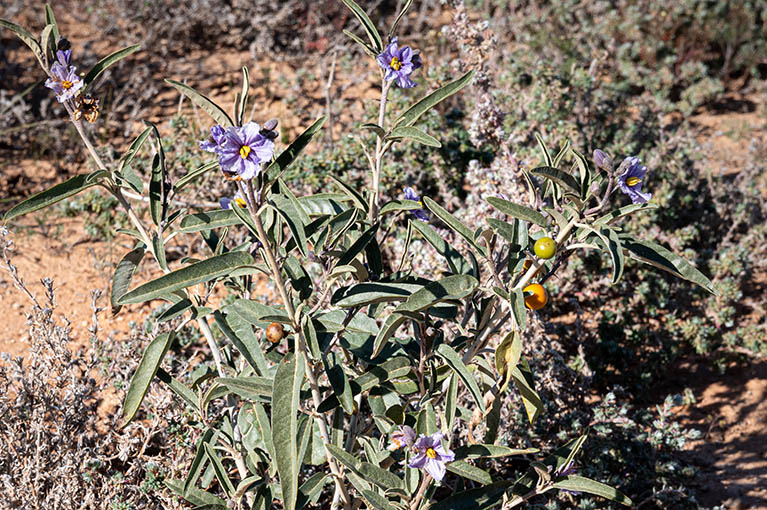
(341, 492)
(373, 205)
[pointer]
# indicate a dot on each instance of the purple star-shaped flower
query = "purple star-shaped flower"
(420, 214)
(64, 80)
(630, 180)
(226, 202)
(432, 456)
(399, 63)
(215, 141)
(242, 150)
(403, 436)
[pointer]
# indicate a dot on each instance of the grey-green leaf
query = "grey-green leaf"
(145, 372)
(415, 134)
(518, 211)
(107, 61)
(199, 272)
(52, 195)
(208, 220)
(469, 471)
(124, 272)
(452, 222)
(658, 256)
(289, 155)
(367, 24)
(561, 178)
(412, 114)
(452, 358)
(589, 486)
(26, 38)
(285, 399)
(212, 109)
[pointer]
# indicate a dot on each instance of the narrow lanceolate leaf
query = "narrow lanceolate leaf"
(107, 61)
(518, 211)
(179, 389)
(564, 179)
(415, 134)
(124, 272)
(393, 29)
(285, 401)
(469, 471)
(242, 102)
(455, 261)
(367, 24)
(589, 486)
(199, 461)
(289, 155)
(488, 451)
(380, 477)
(194, 175)
(455, 225)
(155, 189)
(658, 256)
(218, 468)
(615, 250)
(50, 196)
(145, 372)
(523, 378)
(310, 490)
(290, 214)
(211, 108)
(247, 387)
(358, 245)
(135, 146)
(194, 496)
(377, 374)
(208, 220)
(26, 38)
(368, 293)
(339, 381)
(412, 114)
(199, 272)
(399, 205)
(624, 211)
(453, 360)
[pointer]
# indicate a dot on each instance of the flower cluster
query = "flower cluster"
(430, 455)
(241, 149)
(399, 64)
(63, 79)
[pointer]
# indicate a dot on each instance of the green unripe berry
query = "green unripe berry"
(545, 247)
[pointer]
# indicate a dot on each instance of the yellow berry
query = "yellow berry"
(545, 247)
(275, 332)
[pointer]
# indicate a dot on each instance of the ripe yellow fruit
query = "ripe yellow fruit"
(275, 332)
(538, 298)
(545, 247)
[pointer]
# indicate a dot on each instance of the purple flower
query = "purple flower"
(399, 64)
(403, 436)
(602, 160)
(226, 202)
(432, 456)
(64, 80)
(242, 150)
(215, 141)
(630, 180)
(420, 214)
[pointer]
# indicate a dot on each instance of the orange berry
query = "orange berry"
(538, 298)
(275, 332)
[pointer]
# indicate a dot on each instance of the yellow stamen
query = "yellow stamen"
(67, 84)
(395, 63)
(420, 202)
(431, 453)
(633, 181)
(239, 201)
(244, 151)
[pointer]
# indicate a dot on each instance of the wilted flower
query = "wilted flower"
(64, 80)
(215, 141)
(241, 150)
(403, 436)
(432, 456)
(420, 214)
(602, 160)
(399, 63)
(226, 202)
(630, 180)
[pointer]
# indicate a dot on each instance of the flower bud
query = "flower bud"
(602, 160)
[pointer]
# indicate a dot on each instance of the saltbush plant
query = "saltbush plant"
(364, 382)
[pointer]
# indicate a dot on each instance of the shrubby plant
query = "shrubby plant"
(364, 383)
